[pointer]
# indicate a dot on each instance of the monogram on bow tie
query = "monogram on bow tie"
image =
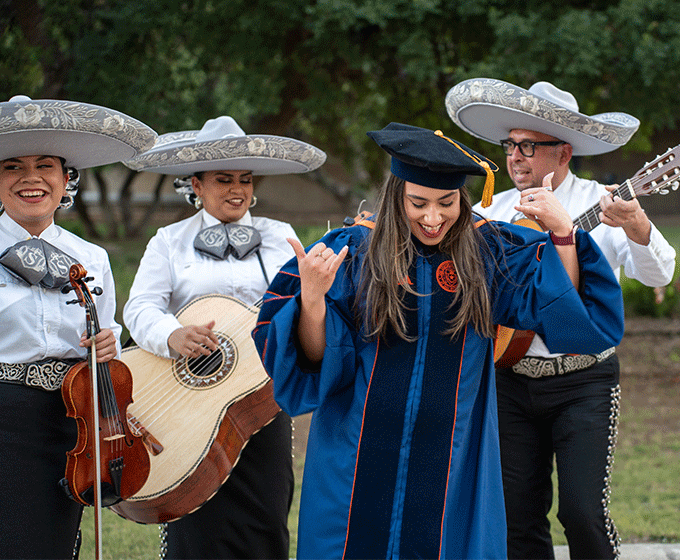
(38, 263)
(222, 240)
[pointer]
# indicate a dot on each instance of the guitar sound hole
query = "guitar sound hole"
(207, 371)
(204, 366)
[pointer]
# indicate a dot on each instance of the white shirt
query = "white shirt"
(172, 274)
(652, 264)
(35, 322)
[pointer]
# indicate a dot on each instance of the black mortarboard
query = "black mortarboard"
(430, 159)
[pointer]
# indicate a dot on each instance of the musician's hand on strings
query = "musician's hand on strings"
(541, 205)
(194, 340)
(627, 214)
(105, 345)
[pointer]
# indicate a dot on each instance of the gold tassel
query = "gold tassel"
(489, 183)
(487, 193)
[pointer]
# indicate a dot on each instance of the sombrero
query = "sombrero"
(489, 109)
(84, 135)
(222, 145)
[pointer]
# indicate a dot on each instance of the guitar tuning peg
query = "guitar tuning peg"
(88, 279)
(97, 291)
(72, 302)
(66, 289)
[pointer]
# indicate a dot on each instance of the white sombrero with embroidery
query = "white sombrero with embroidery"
(489, 109)
(84, 135)
(221, 145)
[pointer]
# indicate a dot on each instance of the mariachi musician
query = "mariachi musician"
(247, 518)
(42, 142)
(560, 408)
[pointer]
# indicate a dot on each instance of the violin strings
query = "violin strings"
(107, 395)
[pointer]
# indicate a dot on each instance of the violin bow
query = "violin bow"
(97, 450)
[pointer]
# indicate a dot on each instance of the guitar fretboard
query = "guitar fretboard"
(590, 218)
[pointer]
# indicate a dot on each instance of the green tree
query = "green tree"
(329, 70)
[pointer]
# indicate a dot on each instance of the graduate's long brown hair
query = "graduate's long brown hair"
(390, 254)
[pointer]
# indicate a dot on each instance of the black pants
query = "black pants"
(37, 519)
(248, 517)
(572, 418)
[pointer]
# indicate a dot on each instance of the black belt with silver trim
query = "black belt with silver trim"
(45, 374)
(533, 366)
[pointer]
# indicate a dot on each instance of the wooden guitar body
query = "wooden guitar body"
(196, 416)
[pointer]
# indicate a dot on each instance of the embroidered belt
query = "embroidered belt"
(545, 367)
(45, 374)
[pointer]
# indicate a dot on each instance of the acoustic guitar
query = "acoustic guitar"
(654, 177)
(195, 415)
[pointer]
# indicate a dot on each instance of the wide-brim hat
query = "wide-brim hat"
(84, 135)
(221, 145)
(489, 109)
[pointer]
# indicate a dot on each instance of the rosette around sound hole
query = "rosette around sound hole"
(205, 372)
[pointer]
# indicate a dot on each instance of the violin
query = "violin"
(115, 465)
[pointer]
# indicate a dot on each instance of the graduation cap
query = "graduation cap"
(430, 159)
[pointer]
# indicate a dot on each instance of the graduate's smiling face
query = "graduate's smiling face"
(430, 212)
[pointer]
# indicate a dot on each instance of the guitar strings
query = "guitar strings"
(168, 392)
(164, 386)
(590, 217)
(233, 319)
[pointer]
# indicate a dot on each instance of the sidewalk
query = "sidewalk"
(651, 551)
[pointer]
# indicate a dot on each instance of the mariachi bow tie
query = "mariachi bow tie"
(222, 240)
(38, 263)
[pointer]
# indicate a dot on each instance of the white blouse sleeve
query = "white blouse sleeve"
(145, 313)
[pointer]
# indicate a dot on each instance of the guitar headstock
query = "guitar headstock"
(659, 175)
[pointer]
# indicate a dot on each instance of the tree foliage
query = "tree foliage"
(329, 70)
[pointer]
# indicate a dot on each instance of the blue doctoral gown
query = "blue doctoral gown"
(403, 456)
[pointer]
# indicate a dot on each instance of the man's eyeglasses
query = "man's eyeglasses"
(526, 147)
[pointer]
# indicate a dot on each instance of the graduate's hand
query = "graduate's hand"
(317, 269)
(193, 340)
(317, 272)
(627, 214)
(105, 345)
(541, 205)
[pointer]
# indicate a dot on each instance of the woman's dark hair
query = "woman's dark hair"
(391, 252)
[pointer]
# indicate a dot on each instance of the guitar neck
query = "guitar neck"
(590, 218)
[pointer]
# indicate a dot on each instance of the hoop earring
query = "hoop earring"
(198, 203)
(66, 202)
(253, 202)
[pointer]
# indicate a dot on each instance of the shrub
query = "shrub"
(641, 300)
